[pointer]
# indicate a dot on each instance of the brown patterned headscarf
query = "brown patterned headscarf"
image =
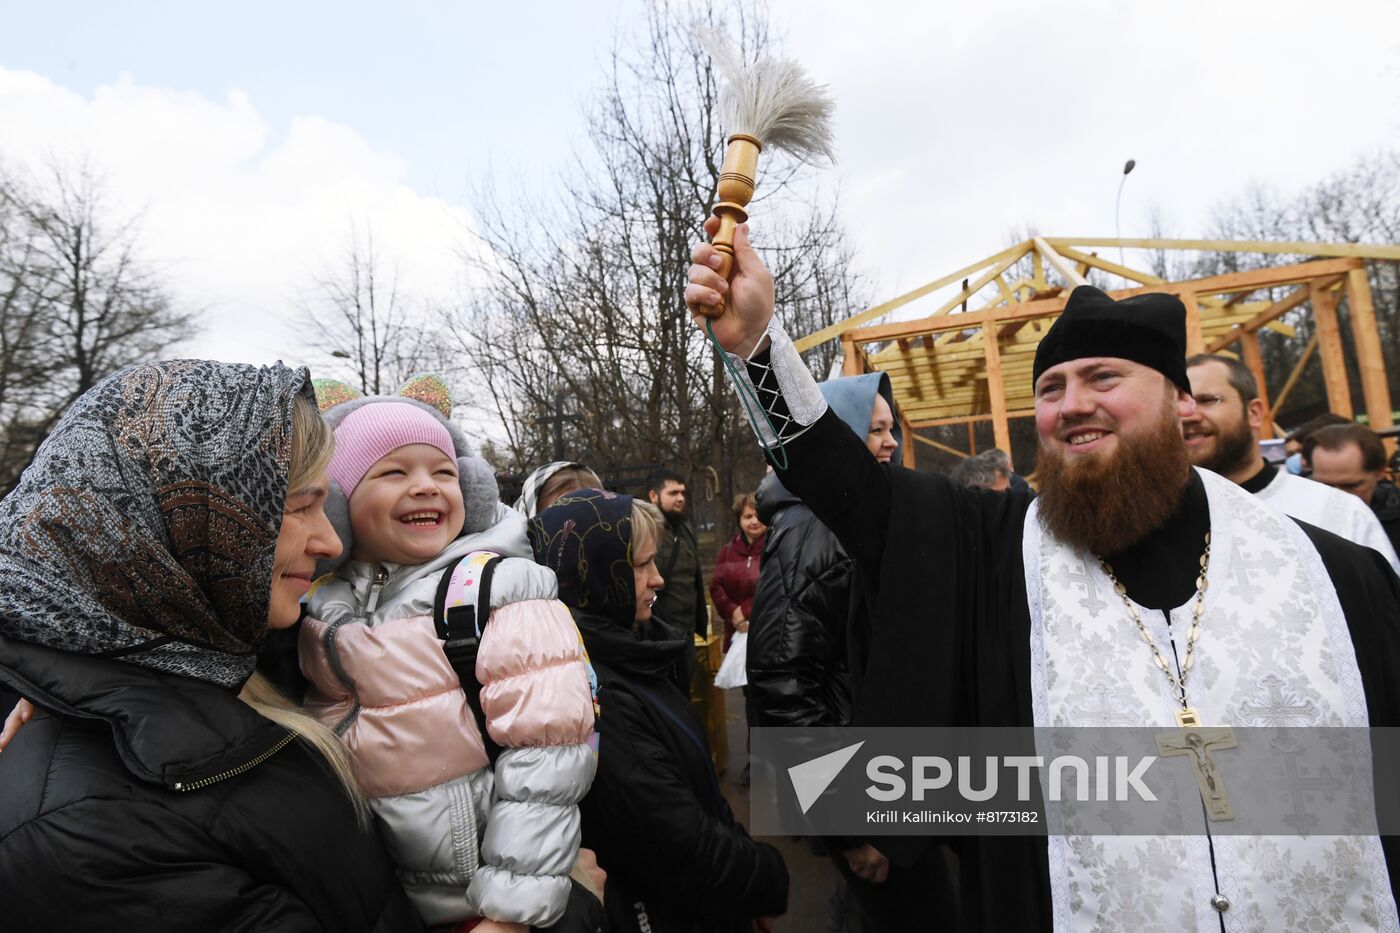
(145, 528)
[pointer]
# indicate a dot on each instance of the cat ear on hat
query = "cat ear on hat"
(333, 392)
(430, 389)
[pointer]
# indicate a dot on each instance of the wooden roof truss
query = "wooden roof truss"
(946, 367)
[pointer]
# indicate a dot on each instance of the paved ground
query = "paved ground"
(812, 877)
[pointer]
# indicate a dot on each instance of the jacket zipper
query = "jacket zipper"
(381, 576)
(235, 772)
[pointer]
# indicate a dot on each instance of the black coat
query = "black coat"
(676, 859)
(797, 668)
(681, 602)
(95, 832)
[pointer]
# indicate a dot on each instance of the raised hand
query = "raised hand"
(747, 296)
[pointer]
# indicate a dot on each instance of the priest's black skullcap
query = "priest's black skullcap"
(1148, 329)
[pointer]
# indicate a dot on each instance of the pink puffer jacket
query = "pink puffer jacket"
(468, 842)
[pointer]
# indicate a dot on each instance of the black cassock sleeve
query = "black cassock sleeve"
(941, 565)
(848, 490)
(1369, 593)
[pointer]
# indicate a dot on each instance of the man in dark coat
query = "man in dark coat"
(681, 603)
(985, 600)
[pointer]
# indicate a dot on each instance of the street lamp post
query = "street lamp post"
(1128, 166)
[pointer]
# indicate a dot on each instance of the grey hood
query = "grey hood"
(853, 400)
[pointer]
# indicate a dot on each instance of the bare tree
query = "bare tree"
(24, 319)
(1360, 203)
(78, 303)
(365, 327)
(583, 293)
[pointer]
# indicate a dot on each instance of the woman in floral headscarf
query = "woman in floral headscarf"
(543, 487)
(675, 857)
(173, 517)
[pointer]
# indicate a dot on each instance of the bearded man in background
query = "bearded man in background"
(1223, 436)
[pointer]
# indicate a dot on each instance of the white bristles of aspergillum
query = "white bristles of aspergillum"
(772, 100)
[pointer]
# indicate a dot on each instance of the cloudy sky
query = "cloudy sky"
(251, 136)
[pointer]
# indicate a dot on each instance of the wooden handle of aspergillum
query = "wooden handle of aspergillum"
(736, 185)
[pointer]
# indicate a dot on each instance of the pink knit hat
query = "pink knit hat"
(374, 430)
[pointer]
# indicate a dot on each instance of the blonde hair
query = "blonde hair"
(647, 523)
(313, 442)
(271, 703)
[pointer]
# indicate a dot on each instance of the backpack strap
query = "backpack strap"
(461, 609)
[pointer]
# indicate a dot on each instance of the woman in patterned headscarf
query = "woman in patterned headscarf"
(675, 857)
(173, 517)
(546, 484)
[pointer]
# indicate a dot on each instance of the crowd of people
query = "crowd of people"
(213, 562)
(288, 662)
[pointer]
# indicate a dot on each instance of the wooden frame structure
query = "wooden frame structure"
(960, 366)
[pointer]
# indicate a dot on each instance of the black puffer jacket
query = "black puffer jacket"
(97, 832)
(677, 861)
(797, 658)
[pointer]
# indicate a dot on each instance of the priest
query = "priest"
(1223, 436)
(1089, 606)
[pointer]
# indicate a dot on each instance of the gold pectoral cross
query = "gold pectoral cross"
(1197, 743)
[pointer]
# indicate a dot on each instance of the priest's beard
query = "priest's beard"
(1105, 504)
(1234, 449)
